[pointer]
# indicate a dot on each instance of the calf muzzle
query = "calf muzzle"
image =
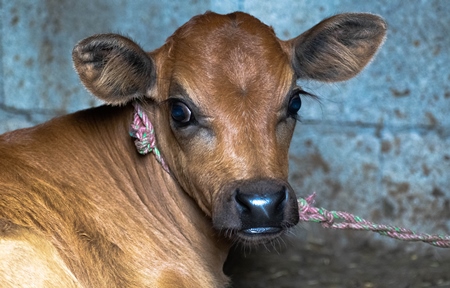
(257, 210)
(261, 213)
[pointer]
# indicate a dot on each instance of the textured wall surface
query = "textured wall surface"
(377, 146)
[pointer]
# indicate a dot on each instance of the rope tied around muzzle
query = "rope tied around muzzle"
(142, 129)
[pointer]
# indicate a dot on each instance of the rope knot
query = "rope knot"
(142, 129)
(313, 214)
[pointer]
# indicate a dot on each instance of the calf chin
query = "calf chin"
(255, 211)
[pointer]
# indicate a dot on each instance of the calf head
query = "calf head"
(223, 98)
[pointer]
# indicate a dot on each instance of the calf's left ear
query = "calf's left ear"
(113, 68)
(337, 48)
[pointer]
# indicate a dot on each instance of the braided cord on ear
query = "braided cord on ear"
(142, 129)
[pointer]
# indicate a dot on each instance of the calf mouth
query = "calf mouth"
(259, 235)
(255, 235)
(262, 231)
(263, 234)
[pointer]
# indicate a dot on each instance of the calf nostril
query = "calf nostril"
(243, 201)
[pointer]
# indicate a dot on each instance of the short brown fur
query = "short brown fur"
(81, 208)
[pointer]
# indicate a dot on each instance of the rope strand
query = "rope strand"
(309, 213)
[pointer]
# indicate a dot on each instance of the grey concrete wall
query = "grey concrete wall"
(377, 146)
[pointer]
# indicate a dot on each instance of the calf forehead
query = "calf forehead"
(232, 55)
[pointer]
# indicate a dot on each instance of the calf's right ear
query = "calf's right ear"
(114, 68)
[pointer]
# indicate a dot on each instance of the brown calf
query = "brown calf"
(79, 207)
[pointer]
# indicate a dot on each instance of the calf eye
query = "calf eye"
(295, 103)
(181, 113)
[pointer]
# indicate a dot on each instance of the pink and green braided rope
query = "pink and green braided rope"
(142, 130)
(344, 220)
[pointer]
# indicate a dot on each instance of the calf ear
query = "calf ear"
(337, 48)
(113, 68)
